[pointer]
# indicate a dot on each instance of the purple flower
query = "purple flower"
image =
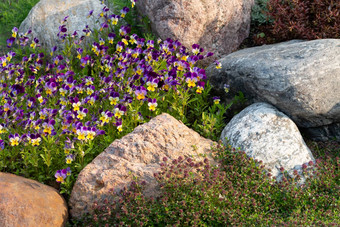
(90, 13)
(152, 103)
(10, 42)
(60, 175)
(124, 11)
(2, 145)
(216, 99)
(141, 93)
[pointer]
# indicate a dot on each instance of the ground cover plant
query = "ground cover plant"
(60, 108)
(279, 20)
(237, 191)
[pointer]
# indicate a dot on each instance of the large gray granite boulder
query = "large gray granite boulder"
(46, 16)
(217, 25)
(300, 78)
(137, 154)
(266, 134)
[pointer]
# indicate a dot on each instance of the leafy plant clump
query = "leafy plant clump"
(60, 108)
(237, 191)
(300, 19)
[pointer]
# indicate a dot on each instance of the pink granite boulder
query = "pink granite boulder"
(25, 202)
(217, 25)
(137, 154)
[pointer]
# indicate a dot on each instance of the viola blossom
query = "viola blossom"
(111, 37)
(91, 100)
(10, 55)
(81, 113)
(119, 111)
(104, 10)
(150, 44)
(50, 88)
(140, 93)
(119, 125)
(114, 19)
(87, 31)
(14, 139)
(226, 88)
(124, 11)
(81, 132)
(218, 65)
(91, 133)
(133, 39)
(152, 85)
(105, 117)
(8, 107)
(3, 61)
(61, 175)
(85, 61)
(43, 114)
(200, 87)
(69, 159)
(2, 145)
(120, 46)
(216, 100)
(79, 52)
(139, 70)
(53, 49)
(124, 30)
(181, 65)
(3, 129)
(102, 26)
(90, 14)
(114, 98)
(76, 105)
(133, 3)
(191, 80)
(10, 42)
(90, 90)
(195, 49)
(140, 42)
(48, 127)
(31, 102)
(152, 103)
(57, 59)
(14, 32)
(64, 90)
(35, 139)
(34, 43)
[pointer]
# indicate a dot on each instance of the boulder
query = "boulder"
(25, 202)
(46, 16)
(300, 78)
(137, 154)
(217, 25)
(267, 134)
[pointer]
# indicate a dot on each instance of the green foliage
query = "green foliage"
(236, 192)
(259, 13)
(12, 13)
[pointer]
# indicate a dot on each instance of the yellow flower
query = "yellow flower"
(14, 141)
(76, 106)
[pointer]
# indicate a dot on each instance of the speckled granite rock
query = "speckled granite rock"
(25, 202)
(266, 134)
(300, 78)
(46, 16)
(136, 154)
(217, 25)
